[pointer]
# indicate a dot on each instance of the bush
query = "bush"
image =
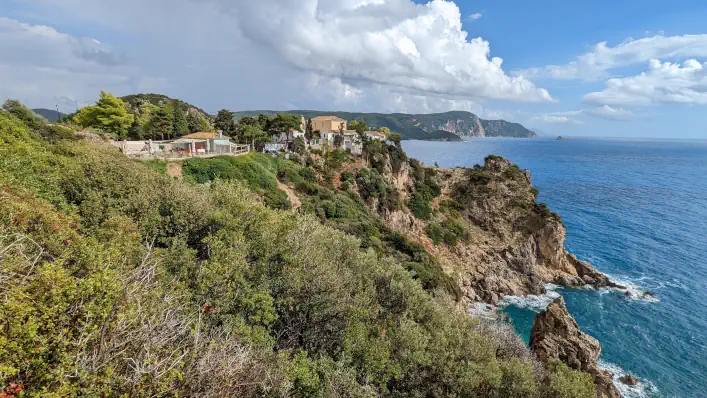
(151, 286)
(420, 206)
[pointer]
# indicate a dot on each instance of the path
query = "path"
(296, 203)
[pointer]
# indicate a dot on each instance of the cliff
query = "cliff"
(434, 126)
(556, 336)
(514, 245)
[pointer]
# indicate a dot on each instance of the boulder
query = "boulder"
(629, 380)
(556, 336)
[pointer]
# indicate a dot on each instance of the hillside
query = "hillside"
(436, 126)
(121, 281)
(133, 102)
(49, 114)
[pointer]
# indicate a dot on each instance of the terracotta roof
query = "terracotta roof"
(204, 135)
(336, 118)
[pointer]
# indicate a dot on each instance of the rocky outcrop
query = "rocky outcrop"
(516, 246)
(556, 336)
(629, 380)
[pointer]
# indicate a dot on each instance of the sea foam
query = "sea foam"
(537, 303)
(631, 290)
(644, 388)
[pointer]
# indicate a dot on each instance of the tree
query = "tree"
(224, 120)
(254, 135)
(33, 121)
(161, 122)
(283, 124)
(141, 126)
(298, 146)
(359, 125)
(396, 138)
(193, 122)
(109, 114)
(179, 121)
(384, 130)
(204, 124)
(309, 130)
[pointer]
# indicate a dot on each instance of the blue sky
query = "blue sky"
(648, 80)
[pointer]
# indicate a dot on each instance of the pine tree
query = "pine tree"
(224, 120)
(179, 121)
(161, 122)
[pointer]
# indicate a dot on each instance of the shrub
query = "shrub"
(420, 206)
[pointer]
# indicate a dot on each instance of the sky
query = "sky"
(601, 68)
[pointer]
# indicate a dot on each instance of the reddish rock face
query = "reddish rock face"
(556, 336)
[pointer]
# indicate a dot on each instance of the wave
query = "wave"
(644, 388)
(631, 290)
(537, 303)
(483, 310)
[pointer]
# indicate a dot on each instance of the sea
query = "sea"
(637, 210)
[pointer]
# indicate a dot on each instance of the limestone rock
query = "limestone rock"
(629, 380)
(556, 336)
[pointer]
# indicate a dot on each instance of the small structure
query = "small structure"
(375, 135)
(201, 144)
(280, 142)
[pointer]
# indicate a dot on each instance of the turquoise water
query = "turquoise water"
(637, 210)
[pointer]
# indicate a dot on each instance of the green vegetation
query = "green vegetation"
(449, 231)
(109, 114)
(119, 281)
(419, 126)
(257, 171)
(423, 192)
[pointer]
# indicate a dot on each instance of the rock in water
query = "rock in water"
(629, 380)
(557, 336)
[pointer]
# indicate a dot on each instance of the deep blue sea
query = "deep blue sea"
(637, 210)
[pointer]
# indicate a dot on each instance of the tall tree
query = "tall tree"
(109, 114)
(224, 120)
(161, 122)
(179, 120)
(309, 130)
(141, 126)
(193, 122)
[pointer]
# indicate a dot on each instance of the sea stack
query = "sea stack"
(556, 336)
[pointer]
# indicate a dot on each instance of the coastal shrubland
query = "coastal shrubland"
(116, 280)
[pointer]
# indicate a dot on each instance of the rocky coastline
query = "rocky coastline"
(516, 247)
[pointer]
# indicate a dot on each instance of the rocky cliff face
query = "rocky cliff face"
(556, 336)
(473, 126)
(515, 245)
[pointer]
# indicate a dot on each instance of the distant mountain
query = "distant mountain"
(49, 114)
(133, 101)
(436, 126)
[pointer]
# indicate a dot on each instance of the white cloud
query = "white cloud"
(663, 83)
(394, 43)
(554, 119)
(603, 58)
(475, 16)
(609, 113)
(47, 67)
(373, 55)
